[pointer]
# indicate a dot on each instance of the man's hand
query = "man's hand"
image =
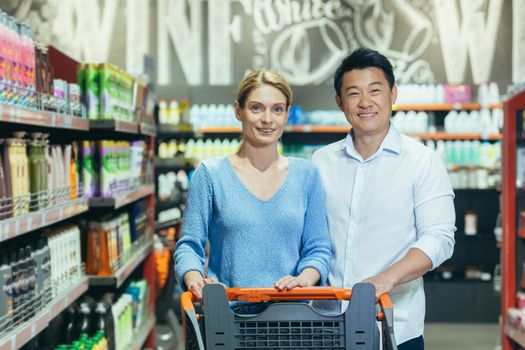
(382, 283)
(195, 283)
(413, 265)
(307, 278)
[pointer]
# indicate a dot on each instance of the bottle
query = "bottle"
(31, 282)
(3, 191)
(100, 311)
(35, 169)
(6, 293)
(84, 324)
(7, 204)
(70, 325)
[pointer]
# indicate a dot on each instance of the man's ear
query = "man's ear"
(393, 94)
(339, 102)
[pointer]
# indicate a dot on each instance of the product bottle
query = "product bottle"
(3, 192)
(31, 281)
(35, 169)
(84, 325)
(70, 326)
(6, 293)
(7, 204)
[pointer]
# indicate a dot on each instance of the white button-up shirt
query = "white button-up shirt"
(399, 198)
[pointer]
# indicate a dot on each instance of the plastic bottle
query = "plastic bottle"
(84, 319)
(6, 298)
(35, 169)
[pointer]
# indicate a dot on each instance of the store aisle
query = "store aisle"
(461, 336)
(438, 336)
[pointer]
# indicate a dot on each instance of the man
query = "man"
(389, 199)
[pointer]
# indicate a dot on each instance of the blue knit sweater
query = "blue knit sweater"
(253, 243)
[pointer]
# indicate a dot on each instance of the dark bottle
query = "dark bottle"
(70, 326)
(32, 302)
(84, 324)
(6, 294)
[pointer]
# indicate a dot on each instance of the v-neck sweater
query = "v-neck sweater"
(254, 242)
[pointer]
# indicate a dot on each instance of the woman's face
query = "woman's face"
(264, 115)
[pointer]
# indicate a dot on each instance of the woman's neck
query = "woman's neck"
(261, 158)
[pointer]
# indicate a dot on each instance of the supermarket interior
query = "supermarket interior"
(109, 107)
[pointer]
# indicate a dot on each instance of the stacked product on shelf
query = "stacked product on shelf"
(27, 77)
(35, 175)
(110, 239)
(111, 167)
(36, 271)
(471, 164)
(108, 323)
(107, 92)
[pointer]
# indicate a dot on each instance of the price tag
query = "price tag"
(53, 120)
(12, 114)
(17, 227)
(44, 219)
(33, 330)
(2, 232)
(30, 223)
(61, 214)
(13, 343)
(456, 106)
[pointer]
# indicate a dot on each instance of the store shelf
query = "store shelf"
(175, 130)
(444, 107)
(516, 335)
(20, 225)
(447, 136)
(27, 331)
(115, 125)
(25, 116)
(148, 129)
(67, 297)
(174, 163)
(167, 204)
(220, 130)
(339, 129)
(140, 253)
(164, 225)
(122, 199)
(143, 332)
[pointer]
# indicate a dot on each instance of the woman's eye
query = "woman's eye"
(278, 110)
(256, 109)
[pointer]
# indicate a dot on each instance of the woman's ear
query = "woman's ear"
(237, 108)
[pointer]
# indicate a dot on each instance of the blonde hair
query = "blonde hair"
(262, 77)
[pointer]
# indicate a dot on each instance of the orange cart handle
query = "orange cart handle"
(256, 295)
(187, 299)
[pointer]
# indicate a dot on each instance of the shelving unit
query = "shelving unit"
(142, 333)
(135, 258)
(25, 116)
(28, 330)
(20, 225)
(122, 199)
(512, 256)
(444, 107)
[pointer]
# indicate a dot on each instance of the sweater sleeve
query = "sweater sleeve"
(190, 249)
(316, 248)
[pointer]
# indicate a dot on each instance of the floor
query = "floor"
(438, 336)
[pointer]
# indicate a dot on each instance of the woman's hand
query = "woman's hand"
(307, 278)
(195, 283)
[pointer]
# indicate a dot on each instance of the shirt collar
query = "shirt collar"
(391, 144)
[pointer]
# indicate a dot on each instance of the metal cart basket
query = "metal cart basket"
(289, 324)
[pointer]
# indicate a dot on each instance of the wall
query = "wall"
(203, 48)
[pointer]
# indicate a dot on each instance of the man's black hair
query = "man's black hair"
(363, 58)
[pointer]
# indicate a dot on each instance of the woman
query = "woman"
(264, 214)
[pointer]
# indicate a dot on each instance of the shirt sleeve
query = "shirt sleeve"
(190, 249)
(316, 247)
(434, 211)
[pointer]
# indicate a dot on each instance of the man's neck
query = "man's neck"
(367, 145)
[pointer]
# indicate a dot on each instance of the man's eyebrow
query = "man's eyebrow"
(356, 87)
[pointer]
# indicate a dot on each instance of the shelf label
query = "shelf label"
(17, 227)
(30, 223)
(53, 121)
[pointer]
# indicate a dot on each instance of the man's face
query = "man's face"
(366, 100)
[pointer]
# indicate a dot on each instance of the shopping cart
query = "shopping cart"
(289, 324)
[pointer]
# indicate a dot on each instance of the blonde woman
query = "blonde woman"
(264, 214)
